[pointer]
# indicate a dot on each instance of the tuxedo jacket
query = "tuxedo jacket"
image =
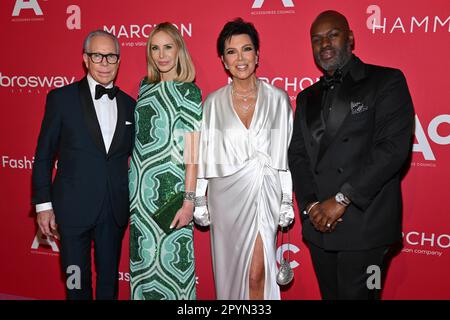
(365, 145)
(86, 174)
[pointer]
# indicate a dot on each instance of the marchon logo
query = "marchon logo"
(30, 4)
(34, 81)
(432, 240)
(292, 85)
(427, 24)
(136, 31)
(429, 244)
(257, 4)
(136, 35)
(423, 144)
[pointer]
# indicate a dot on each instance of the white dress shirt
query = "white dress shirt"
(106, 111)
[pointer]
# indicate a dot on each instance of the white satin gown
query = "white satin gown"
(244, 191)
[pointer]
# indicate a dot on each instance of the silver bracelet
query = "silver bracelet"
(189, 196)
(286, 199)
(314, 204)
(200, 201)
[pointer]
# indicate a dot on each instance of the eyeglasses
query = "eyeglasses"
(96, 57)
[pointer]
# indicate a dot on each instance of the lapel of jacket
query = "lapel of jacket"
(120, 125)
(90, 117)
(341, 105)
(313, 107)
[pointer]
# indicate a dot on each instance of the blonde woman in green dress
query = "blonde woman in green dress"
(167, 117)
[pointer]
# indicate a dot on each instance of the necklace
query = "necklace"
(244, 96)
(251, 93)
(245, 108)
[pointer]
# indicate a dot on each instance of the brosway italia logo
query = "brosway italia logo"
(33, 83)
(273, 7)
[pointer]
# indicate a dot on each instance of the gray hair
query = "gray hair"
(102, 33)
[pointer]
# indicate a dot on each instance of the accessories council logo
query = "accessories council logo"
(272, 7)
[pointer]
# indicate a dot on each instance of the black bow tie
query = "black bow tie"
(101, 90)
(329, 81)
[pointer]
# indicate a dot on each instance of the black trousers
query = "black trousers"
(76, 245)
(349, 275)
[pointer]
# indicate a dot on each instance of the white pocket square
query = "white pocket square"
(127, 123)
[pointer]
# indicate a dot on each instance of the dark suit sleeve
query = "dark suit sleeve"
(46, 151)
(299, 163)
(394, 121)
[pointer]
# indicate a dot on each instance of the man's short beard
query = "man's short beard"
(342, 56)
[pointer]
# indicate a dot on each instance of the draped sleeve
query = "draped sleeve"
(281, 133)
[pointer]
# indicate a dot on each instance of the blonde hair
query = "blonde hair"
(185, 66)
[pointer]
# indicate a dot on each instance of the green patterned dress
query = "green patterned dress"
(161, 266)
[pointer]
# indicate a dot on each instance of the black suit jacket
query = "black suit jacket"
(85, 174)
(366, 142)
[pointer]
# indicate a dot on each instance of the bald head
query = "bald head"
(335, 17)
(332, 41)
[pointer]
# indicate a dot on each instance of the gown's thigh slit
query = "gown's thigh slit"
(257, 270)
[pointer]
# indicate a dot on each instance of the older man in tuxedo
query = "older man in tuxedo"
(352, 136)
(88, 127)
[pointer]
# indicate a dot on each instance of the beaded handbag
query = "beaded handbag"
(285, 273)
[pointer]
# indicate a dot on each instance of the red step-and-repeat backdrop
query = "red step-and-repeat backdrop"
(42, 49)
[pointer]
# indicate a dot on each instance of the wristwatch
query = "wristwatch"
(342, 199)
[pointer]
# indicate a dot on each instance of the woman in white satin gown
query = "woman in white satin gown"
(246, 132)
